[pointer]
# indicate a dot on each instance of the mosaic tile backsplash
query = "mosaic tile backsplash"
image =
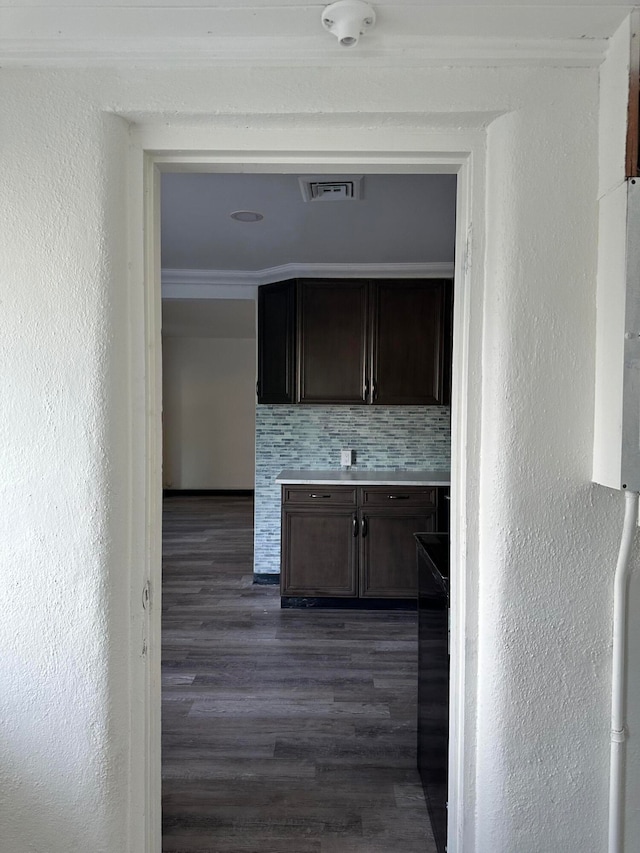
(384, 437)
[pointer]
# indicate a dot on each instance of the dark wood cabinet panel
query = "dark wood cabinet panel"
(396, 496)
(354, 341)
(319, 552)
(444, 510)
(332, 341)
(387, 566)
(334, 546)
(319, 496)
(276, 342)
(409, 343)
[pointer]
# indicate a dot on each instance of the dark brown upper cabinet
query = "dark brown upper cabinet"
(409, 343)
(276, 342)
(352, 341)
(333, 341)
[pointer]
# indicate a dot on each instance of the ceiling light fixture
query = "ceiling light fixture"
(348, 20)
(246, 216)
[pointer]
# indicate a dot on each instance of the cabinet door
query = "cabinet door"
(332, 341)
(388, 551)
(276, 342)
(409, 342)
(319, 552)
(444, 509)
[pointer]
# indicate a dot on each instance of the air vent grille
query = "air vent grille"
(331, 189)
(331, 192)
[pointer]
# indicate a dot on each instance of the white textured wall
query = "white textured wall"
(209, 412)
(64, 525)
(544, 637)
(547, 536)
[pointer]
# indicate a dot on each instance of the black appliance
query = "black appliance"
(433, 676)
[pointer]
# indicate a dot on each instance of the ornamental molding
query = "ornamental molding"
(242, 284)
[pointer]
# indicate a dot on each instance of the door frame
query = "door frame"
(156, 149)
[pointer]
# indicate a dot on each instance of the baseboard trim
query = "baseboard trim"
(291, 601)
(239, 493)
(266, 579)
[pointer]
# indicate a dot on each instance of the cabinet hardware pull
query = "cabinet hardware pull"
(355, 526)
(364, 527)
(374, 391)
(365, 390)
(447, 497)
(319, 496)
(398, 497)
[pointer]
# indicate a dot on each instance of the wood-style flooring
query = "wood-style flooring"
(284, 731)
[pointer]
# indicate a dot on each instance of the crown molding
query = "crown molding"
(397, 52)
(242, 284)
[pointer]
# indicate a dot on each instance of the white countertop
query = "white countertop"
(346, 477)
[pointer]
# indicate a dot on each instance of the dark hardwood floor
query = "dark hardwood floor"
(284, 731)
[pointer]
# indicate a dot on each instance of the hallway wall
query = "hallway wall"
(209, 412)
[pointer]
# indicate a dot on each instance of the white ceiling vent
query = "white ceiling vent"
(332, 189)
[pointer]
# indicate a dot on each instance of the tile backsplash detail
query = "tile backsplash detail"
(386, 437)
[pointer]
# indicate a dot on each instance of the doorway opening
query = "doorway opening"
(250, 693)
(157, 166)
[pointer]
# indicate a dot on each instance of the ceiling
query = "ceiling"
(445, 17)
(254, 32)
(400, 219)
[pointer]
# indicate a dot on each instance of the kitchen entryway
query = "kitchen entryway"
(284, 731)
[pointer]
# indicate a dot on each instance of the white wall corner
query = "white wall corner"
(611, 295)
(622, 57)
(610, 315)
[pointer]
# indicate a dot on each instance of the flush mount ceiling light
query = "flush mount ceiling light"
(348, 20)
(246, 216)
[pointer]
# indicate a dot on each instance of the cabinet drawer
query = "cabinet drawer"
(319, 495)
(390, 496)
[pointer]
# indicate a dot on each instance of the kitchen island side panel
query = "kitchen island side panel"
(407, 437)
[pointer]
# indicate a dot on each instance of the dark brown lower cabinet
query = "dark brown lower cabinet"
(387, 551)
(345, 542)
(319, 551)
